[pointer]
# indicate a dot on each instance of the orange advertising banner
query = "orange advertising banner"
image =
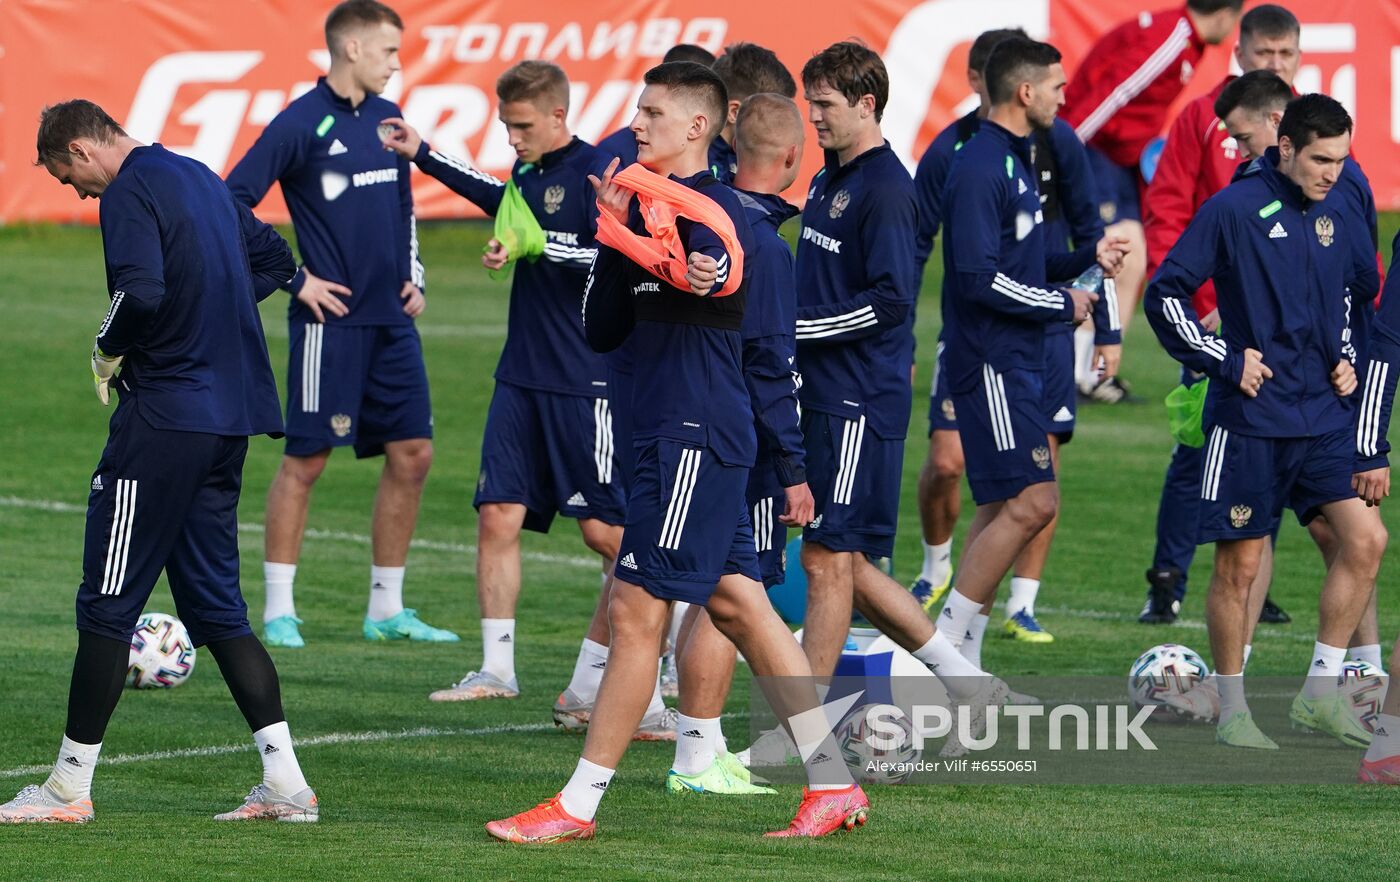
(204, 76)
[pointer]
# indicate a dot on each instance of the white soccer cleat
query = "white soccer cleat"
(571, 712)
(265, 804)
(670, 678)
(1201, 703)
(994, 694)
(37, 804)
(659, 726)
(477, 685)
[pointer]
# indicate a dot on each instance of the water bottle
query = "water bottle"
(1090, 280)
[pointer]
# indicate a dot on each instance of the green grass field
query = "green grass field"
(405, 785)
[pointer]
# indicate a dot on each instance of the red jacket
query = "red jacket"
(1118, 99)
(1198, 161)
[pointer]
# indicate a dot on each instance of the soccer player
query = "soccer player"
(1198, 161)
(1070, 216)
(548, 446)
(355, 376)
(1283, 251)
(1118, 102)
(747, 69)
(688, 535)
(186, 266)
(768, 142)
(623, 143)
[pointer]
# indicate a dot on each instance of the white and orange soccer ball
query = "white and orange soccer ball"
(1164, 670)
(162, 655)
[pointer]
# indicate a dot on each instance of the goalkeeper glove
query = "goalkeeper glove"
(104, 367)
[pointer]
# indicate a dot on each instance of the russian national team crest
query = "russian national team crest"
(1240, 515)
(838, 204)
(553, 198)
(340, 425)
(1325, 230)
(1041, 455)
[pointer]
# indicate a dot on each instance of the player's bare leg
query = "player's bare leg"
(1237, 564)
(830, 586)
(940, 505)
(288, 500)
(1365, 643)
(602, 539)
(1021, 622)
(1132, 278)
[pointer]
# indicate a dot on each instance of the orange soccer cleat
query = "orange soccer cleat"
(1381, 771)
(823, 812)
(546, 823)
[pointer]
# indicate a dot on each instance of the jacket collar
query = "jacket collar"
(769, 207)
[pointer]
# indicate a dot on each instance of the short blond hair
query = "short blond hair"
(539, 82)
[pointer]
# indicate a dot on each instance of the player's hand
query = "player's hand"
(1110, 252)
(1083, 303)
(1344, 378)
(413, 300)
(400, 137)
(701, 270)
(1372, 486)
(612, 199)
(1255, 372)
(495, 256)
(104, 368)
(1211, 321)
(321, 296)
(1107, 358)
(800, 506)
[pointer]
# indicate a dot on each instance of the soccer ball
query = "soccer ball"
(854, 737)
(1164, 670)
(162, 656)
(1364, 685)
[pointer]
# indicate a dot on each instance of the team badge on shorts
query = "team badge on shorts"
(949, 413)
(1325, 230)
(1240, 515)
(340, 425)
(1041, 455)
(838, 204)
(1108, 212)
(553, 198)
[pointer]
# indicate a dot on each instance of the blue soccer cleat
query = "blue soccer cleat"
(1023, 626)
(282, 632)
(406, 626)
(927, 593)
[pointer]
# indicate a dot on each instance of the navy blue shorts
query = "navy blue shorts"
(1247, 481)
(687, 523)
(769, 537)
(1003, 428)
(1115, 188)
(855, 476)
(942, 415)
(551, 453)
(355, 385)
(163, 500)
(1057, 380)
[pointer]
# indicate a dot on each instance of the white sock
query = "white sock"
(1085, 374)
(588, 670)
(957, 614)
(277, 582)
(938, 562)
(971, 647)
(1369, 653)
(657, 706)
(958, 675)
(281, 771)
(1023, 593)
(498, 648)
(678, 609)
(1326, 665)
(825, 768)
(1248, 648)
(696, 744)
(385, 592)
(1232, 701)
(580, 797)
(1386, 742)
(71, 778)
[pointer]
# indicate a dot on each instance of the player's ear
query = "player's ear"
(867, 105)
(733, 111)
(77, 150)
(1275, 117)
(794, 156)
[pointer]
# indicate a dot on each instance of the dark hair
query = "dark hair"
(748, 69)
(697, 83)
(356, 14)
(531, 80)
(60, 124)
(1269, 20)
(1311, 117)
(1206, 7)
(1013, 62)
(1259, 91)
(689, 52)
(853, 69)
(984, 44)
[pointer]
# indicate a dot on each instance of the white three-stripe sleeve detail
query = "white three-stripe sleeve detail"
(1140, 79)
(1187, 330)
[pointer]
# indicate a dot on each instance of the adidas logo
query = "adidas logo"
(600, 785)
(816, 522)
(1063, 415)
(337, 148)
(1320, 663)
(377, 586)
(1278, 232)
(270, 750)
(598, 666)
(577, 500)
(504, 638)
(97, 482)
(628, 561)
(967, 635)
(948, 611)
(73, 761)
(818, 759)
(1380, 731)
(692, 733)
